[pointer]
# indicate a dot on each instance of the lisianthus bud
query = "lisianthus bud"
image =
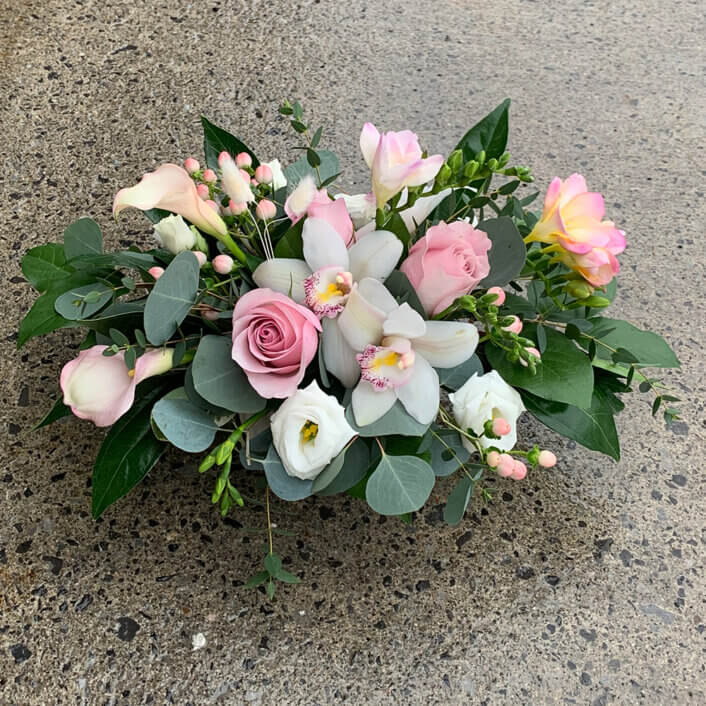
(266, 210)
(501, 427)
(546, 459)
(201, 257)
(519, 471)
(493, 459)
(202, 191)
(209, 176)
(223, 264)
(191, 165)
(515, 326)
(506, 465)
(500, 295)
(156, 272)
(243, 159)
(264, 174)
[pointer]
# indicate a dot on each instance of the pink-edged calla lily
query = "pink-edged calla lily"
(395, 160)
(397, 353)
(325, 278)
(170, 187)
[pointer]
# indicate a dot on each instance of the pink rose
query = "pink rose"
(448, 262)
(395, 160)
(274, 339)
(101, 388)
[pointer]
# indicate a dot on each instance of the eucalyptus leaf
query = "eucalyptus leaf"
(401, 288)
(454, 378)
(458, 500)
(72, 306)
(395, 421)
(183, 424)
(399, 484)
(83, 237)
(329, 473)
(295, 172)
(282, 484)
(447, 450)
(355, 466)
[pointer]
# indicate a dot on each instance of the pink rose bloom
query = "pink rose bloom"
(101, 388)
(274, 339)
(170, 187)
(395, 160)
(448, 262)
(572, 225)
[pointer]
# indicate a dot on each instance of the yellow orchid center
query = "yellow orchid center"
(309, 430)
(331, 291)
(390, 359)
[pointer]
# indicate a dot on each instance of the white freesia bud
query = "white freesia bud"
(361, 208)
(233, 182)
(308, 431)
(174, 235)
(485, 397)
(278, 179)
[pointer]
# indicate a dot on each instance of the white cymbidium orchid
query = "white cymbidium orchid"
(397, 353)
(326, 277)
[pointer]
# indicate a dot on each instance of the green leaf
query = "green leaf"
(312, 158)
(399, 484)
(257, 579)
(183, 424)
(396, 225)
(171, 298)
(593, 428)
(216, 140)
(447, 451)
(355, 466)
(295, 172)
(458, 500)
(489, 134)
(402, 290)
(328, 474)
(129, 450)
(453, 378)
(396, 421)
(564, 375)
(317, 138)
(122, 315)
(286, 577)
(291, 244)
(44, 266)
(508, 253)
(282, 484)
(58, 411)
(273, 564)
(65, 304)
(649, 349)
(83, 237)
(219, 380)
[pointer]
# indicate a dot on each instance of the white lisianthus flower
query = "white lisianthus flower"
(485, 397)
(278, 179)
(173, 234)
(361, 208)
(308, 431)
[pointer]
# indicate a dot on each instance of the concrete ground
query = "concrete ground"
(584, 584)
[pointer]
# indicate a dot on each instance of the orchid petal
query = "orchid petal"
(285, 275)
(339, 357)
(420, 396)
(375, 255)
(370, 404)
(404, 321)
(361, 322)
(323, 245)
(447, 344)
(377, 294)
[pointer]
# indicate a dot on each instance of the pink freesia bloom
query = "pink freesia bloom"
(572, 225)
(171, 188)
(274, 339)
(395, 159)
(448, 262)
(101, 388)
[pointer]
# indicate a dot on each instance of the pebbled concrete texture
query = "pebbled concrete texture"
(583, 584)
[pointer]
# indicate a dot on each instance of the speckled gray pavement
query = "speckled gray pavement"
(581, 585)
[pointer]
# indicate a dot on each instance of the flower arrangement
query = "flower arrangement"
(333, 343)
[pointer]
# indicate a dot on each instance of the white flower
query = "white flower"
(361, 208)
(278, 179)
(308, 431)
(174, 235)
(485, 397)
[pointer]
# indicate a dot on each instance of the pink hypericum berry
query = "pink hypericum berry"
(506, 465)
(223, 157)
(264, 174)
(515, 326)
(501, 427)
(209, 176)
(245, 176)
(156, 272)
(519, 472)
(237, 208)
(201, 257)
(202, 191)
(243, 160)
(211, 314)
(212, 204)
(546, 459)
(191, 165)
(500, 295)
(223, 264)
(493, 459)
(266, 210)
